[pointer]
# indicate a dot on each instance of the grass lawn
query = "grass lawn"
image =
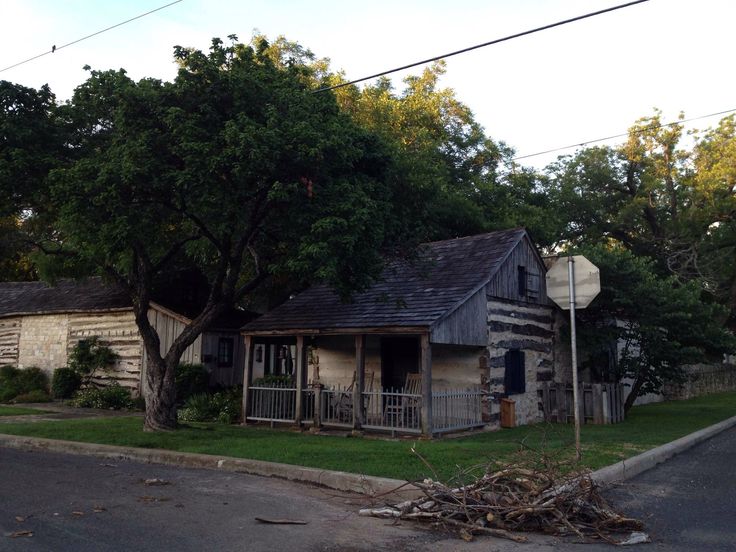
(17, 411)
(646, 427)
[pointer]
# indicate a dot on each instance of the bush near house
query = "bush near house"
(65, 382)
(35, 396)
(112, 397)
(15, 382)
(223, 407)
(90, 355)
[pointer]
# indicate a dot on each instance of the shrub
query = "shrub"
(112, 397)
(223, 407)
(35, 396)
(14, 382)
(89, 355)
(190, 379)
(65, 382)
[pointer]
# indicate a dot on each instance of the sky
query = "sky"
(563, 86)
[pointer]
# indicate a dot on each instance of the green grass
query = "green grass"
(16, 411)
(646, 427)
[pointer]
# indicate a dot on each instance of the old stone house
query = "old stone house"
(41, 323)
(468, 313)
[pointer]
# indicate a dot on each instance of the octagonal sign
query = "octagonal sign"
(587, 282)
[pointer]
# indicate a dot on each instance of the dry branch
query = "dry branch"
(533, 493)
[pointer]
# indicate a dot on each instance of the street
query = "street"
(78, 503)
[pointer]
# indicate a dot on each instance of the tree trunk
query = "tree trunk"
(635, 389)
(160, 395)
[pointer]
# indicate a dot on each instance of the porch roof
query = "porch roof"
(409, 297)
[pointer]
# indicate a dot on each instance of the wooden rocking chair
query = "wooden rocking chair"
(403, 411)
(344, 401)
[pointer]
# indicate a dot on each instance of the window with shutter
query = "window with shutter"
(533, 282)
(514, 377)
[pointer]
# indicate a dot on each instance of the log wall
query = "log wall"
(9, 340)
(530, 329)
(118, 331)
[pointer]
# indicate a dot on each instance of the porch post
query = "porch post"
(247, 375)
(358, 420)
(299, 378)
(425, 365)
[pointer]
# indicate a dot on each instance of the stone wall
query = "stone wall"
(703, 379)
(528, 328)
(43, 342)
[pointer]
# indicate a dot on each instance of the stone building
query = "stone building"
(40, 324)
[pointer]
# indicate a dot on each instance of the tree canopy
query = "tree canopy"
(235, 168)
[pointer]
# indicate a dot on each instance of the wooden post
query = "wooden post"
(247, 375)
(300, 373)
(317, 404)
(598, 394)
(425, 365)
(358, 417)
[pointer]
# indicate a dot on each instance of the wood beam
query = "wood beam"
(300, 373)
(425, 366)
(247, 375)
(358, 414)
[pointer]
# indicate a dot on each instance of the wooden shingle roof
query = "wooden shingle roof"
(408, 295)
(20, 298)
(88, 295)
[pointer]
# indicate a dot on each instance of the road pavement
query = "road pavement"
(81, 503)
(689, 502)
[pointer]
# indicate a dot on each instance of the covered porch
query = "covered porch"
(393, 380)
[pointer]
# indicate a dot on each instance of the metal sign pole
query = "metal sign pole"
(574, 347)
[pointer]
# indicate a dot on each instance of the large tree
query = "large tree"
(31, 144)
(237, 168)
(658, 198)
(648, 326)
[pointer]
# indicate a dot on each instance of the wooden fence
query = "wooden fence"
(600, 403)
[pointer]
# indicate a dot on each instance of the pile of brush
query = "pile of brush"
(525, 495)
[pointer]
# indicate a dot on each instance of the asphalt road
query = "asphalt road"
(78, 503)
(689, 502)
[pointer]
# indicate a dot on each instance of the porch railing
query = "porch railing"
(456, 409)
(274, 403)
(392, 410)
(389, 410)
(336, 407)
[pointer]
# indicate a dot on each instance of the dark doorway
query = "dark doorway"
(399, 356)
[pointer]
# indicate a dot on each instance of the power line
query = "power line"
(57, 48)
(483, 45)
(623, 134)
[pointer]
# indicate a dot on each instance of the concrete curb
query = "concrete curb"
(341, 481)
(626, 469)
